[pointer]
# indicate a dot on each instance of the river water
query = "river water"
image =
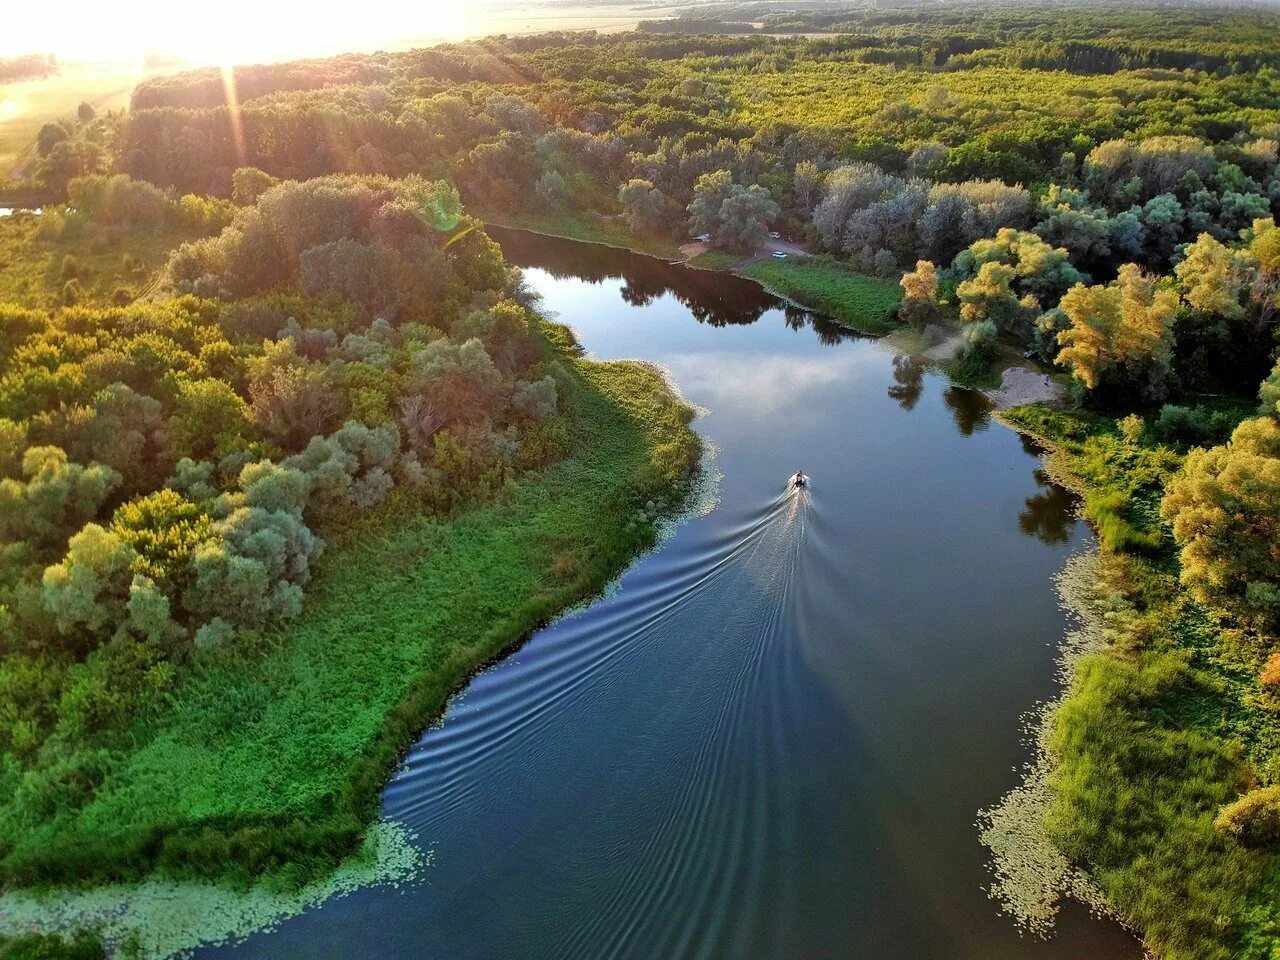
(772, 740)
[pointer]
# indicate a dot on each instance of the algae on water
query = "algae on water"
(1031, 875)
(157, 919)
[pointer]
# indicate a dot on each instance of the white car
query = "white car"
(775, 235)
(779, 255)
(703, 238)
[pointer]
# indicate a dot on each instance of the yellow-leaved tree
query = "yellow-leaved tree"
(1124, 327)
(1224, 506)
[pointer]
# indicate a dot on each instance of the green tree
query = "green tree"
(644, 204)
(1269, 394)
(88, 590)
(209, 419)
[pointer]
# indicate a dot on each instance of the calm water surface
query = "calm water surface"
(773, 739)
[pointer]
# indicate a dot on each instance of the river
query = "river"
(773, 738)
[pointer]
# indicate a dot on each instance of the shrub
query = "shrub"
(1254, 819)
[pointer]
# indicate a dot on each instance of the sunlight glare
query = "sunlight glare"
(235, 31)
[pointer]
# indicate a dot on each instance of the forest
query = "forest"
(248, 329)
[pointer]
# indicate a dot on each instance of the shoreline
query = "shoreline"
(1013, 828)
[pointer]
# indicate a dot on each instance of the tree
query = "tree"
(551, 189)
(806, 182)
(209, 419)
(745, 216)
(979, 340)
(989, 295)
(709, 195)
(88, 590)
(1122, 329)
(250, 183)
(644, 204)
(1214, 278)
(1269, 394)
(735, 216)
(55, 499)
(1224, 507)
(50, 135)
(920, 294)
(85, 112)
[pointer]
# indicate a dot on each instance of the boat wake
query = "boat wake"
(711, 626)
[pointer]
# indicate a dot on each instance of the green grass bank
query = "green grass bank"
(1162, 727)
(269, 760)
(867, 304)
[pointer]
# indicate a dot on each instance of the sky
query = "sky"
(243, 31)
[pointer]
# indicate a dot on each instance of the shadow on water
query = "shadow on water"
(772, 740)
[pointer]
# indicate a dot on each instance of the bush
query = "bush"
(1254, 819)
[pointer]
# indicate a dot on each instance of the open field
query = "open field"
(28, 105)
(108, 267)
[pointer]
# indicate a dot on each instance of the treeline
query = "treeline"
(564, 121)
(26, 67)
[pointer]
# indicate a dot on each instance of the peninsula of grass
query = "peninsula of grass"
(609, 231)
(270, 759)
(1166, 724)
(866, 304)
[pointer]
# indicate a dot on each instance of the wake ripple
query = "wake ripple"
(679, 840)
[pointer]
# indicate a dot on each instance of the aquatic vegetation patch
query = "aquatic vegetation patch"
(1164, 725)
(1031, 874)
(157, 918)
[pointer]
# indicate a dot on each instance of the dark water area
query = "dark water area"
(771, 741)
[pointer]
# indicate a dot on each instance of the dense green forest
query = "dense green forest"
(252, 330)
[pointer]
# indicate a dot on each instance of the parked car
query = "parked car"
(779, 255)
(775, 235)
(703, 238)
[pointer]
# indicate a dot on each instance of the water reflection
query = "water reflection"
(970, 409)
(716, 299)
(908, 381)
(1051, 515)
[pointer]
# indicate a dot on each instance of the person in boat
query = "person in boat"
(799, 480)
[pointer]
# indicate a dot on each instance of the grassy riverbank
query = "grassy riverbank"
(1165, 725)
(587, 228)
(271, 759)
(867, 304)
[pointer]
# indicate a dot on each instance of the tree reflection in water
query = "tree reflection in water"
(908, 377)
(714, 298)
(1049, 516)
(970, 409)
